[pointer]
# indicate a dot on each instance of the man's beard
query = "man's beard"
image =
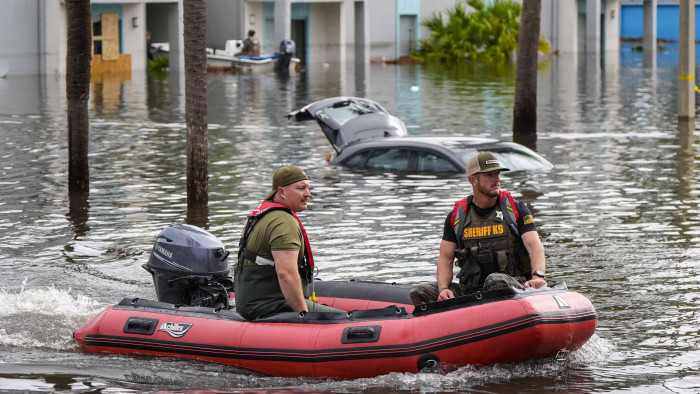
(487, 191)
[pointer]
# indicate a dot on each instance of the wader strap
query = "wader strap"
(257, 259)
(243, 242)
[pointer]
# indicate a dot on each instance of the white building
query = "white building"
(34, 32)
(325, 31)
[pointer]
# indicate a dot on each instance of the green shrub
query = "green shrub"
(160, 63)
(488, 34)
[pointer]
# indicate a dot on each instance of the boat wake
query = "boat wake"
(43, 317)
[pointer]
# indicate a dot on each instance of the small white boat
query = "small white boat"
(245, 64)
(225, 57)
(215, 57)
(262, 64)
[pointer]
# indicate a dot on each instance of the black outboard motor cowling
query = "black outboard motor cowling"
(190, 267)
(287, 48)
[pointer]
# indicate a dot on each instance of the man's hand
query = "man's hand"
(536, 282)
(445, 294)
(444, 269)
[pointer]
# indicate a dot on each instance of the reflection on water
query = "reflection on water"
(618, 214)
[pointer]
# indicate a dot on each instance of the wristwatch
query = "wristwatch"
(538, 273)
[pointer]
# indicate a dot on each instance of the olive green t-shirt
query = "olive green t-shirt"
(276, 230)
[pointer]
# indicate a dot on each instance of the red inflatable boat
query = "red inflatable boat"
(382, 332)
(500, 326)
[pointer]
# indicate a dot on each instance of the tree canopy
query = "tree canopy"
(487, 34)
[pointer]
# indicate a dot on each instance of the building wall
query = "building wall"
(382, 28)
(224, 22)
(667, 17)
(53, 38)
(325, 38)
(157, 21)
(558, 23)
(19, 29)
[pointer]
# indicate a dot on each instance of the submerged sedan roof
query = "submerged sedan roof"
(457, 150)
(347, 119)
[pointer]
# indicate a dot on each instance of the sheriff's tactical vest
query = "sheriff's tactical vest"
(493, 241)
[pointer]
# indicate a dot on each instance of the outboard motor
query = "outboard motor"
(190, 267)
(284, 56)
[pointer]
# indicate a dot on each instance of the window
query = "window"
(514, 159)
(356, 160)
(520, 161)
(389, 159)
(428, 161)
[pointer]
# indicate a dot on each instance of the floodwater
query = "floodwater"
(618, 215)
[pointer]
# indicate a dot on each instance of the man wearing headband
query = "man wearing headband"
(492, 236)
(275, 263)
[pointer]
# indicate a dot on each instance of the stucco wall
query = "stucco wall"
(382, 28)
(224, 22)
(19, 29)
(325, 38)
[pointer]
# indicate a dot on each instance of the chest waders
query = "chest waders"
(489, 244)
(305, 266)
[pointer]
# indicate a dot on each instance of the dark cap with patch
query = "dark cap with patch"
(286, 176)
(483, 162)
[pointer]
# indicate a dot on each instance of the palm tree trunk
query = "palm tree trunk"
(78, 57)
(194, 20)
(525, 106)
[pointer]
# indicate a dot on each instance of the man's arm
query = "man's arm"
(444, 269)
(534, 247)
(289, 279)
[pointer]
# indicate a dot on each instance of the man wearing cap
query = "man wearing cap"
(275, 263)
(492, 236)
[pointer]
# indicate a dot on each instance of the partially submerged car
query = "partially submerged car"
(365, 135)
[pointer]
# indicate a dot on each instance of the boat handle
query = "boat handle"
(361, 334)
(140, 325)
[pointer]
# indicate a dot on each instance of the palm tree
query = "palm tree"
(525, 106)
(78, 59)
(194, 20)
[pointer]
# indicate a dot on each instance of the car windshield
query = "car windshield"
(345, 111)
(515, 160)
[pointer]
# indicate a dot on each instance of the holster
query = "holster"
(469, 275)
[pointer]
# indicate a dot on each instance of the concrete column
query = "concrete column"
(686, 60)
(342, 33)
(611, 28)
(593, 27)
(361, 33)
(135, 36)
(649, 41)
(176, 38)
(283, 20)
(565, 14)
(54, 31)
